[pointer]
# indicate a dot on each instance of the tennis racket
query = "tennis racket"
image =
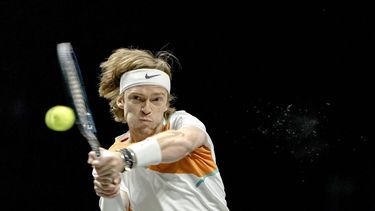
(74, 83)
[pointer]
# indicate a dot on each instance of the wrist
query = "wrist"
(145, 153)
(128, 158)
(119, 154)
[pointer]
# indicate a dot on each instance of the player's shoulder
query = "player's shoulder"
(121, 141)
(122, 137)
(181, 114)
(183, 118)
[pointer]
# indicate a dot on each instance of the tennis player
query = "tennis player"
(164, 160)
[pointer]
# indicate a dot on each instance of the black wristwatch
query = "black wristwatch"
(128, 157)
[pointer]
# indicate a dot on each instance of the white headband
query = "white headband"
(145, 77)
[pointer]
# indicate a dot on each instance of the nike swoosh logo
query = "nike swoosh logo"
(150, 76)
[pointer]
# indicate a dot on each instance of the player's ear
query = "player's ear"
(120, 102)
(166, 107)
(168, 104)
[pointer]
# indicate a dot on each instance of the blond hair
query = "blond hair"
(126, 59)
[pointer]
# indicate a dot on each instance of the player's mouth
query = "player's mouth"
(145, 120)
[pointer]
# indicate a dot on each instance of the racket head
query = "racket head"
(74, 83)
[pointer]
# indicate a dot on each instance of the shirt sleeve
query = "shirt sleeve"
(182, 119)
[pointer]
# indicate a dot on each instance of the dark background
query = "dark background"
(285, 91)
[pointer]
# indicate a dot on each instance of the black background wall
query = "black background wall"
(285, 91)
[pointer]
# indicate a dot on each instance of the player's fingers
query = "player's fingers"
(102, 187)
(104, 174)
(107, 195)
(107, 170)
(116, 180)
(104, 180)
(105, 189)
(113, 195)
(103, 160)
(101, 192)
(91, 157)
(115, 192)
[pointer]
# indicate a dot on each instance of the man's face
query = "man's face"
(144, 107)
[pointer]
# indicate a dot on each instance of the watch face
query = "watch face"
(128, 159)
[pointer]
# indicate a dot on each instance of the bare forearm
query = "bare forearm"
(165, 147)
(176, 144)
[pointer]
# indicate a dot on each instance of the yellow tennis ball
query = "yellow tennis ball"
(60, 118)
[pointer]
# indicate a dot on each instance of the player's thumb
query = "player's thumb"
(91, 157)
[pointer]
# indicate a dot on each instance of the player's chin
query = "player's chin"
(146, 128)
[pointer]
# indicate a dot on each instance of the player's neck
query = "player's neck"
(135, 137)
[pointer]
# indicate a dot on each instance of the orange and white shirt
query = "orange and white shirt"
(192, 183)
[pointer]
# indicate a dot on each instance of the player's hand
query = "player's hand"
(106, 186)
(109, 164)
(106, 172)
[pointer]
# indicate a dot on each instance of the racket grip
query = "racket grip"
(97, 152)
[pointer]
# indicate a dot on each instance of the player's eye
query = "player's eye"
(136, 98)
(157, 99)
